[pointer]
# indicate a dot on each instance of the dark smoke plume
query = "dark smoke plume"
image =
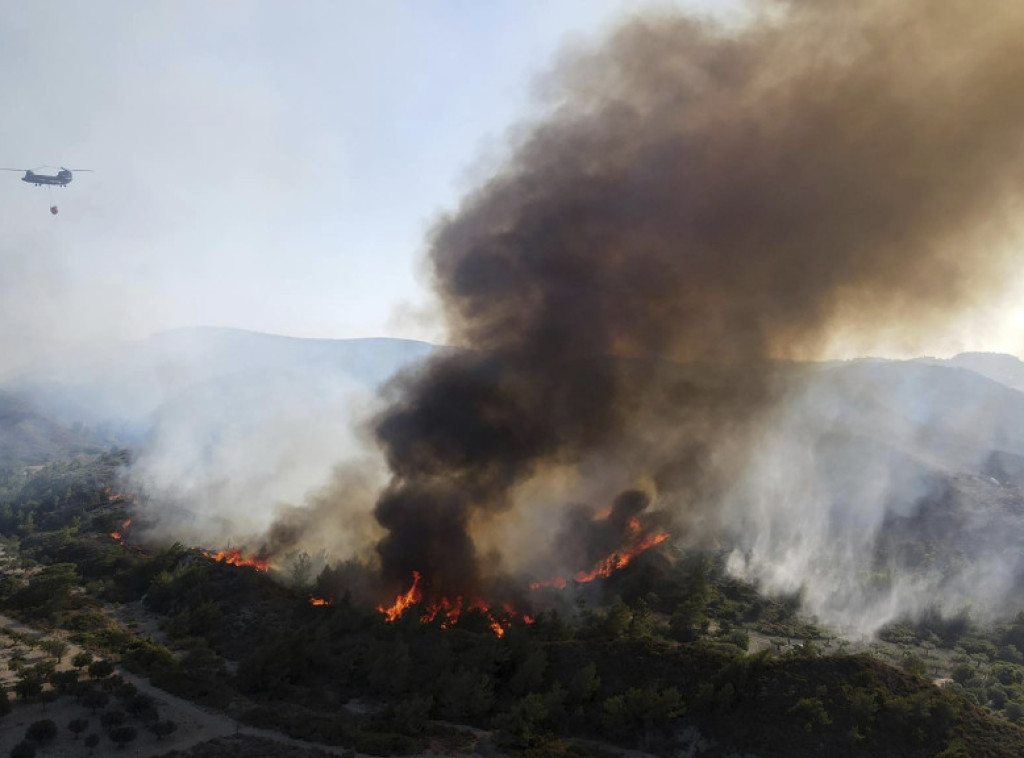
(719, 197)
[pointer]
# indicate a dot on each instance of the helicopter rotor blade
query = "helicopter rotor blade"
(15, 169)
(79, 169)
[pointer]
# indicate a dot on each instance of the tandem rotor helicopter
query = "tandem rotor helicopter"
(61, 179)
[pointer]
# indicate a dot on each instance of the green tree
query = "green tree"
(997, 694)
(391, 669)
(466, 694)
(618, 619)
(24, 749)
(914, 664)
(94, 699)
(101, 669)
(92, 741)
(301, 569)
(81, 660)
(48, 592)
(689, 620)
(78, 725)
(642, 711)
(28, 685)
(162, 728)
(862, 707)
(412, 715)
(64, 681)
(54, 647)
(112, 718)
(523, 725)
(41, 731)
(529, 673)
(585, 684)
(122, 735)
(139, 704)
(812, 711)
(738, 638)
(642, 623)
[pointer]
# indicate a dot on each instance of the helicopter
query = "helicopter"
(61, 179)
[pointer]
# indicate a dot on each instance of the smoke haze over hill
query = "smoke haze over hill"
(723, 197)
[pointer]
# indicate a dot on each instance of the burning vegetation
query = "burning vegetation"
(618, 534)
(235, 558)
(122, 532)
(447, 611)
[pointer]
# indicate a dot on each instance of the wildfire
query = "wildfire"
(447, 610)
(235, 558)
(319, 601)
(117, 497)
(403, 601)
(609, 565)
(120, 533)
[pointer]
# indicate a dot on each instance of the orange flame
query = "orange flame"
(117, 497)
(319, 601)
(234, 557)
(609, 565)
(403, 601)
(120, 533)
(446, 611)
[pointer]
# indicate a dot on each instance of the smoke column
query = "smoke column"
(720, 197)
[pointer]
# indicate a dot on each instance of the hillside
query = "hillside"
(661, 668)
(30, 437)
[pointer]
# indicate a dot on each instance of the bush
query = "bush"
(94, 699)
(101, 669)
(82, 660)
(162, 728)
(123, 735)
(41, 731)
(23, 749)
(111, 719)
(77, 726)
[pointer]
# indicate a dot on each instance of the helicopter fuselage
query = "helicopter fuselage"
(60, 179)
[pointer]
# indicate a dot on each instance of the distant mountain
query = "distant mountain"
(28, 437)
(951, 416)
(121, 386)
(1005, 369)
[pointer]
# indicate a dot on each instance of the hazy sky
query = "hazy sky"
(265, 165)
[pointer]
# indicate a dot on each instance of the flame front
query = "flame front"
(119, 534)
(118, 497)
(609, 565)
(235, 558)
(403, 601)
(319, 601)
(447, 611)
